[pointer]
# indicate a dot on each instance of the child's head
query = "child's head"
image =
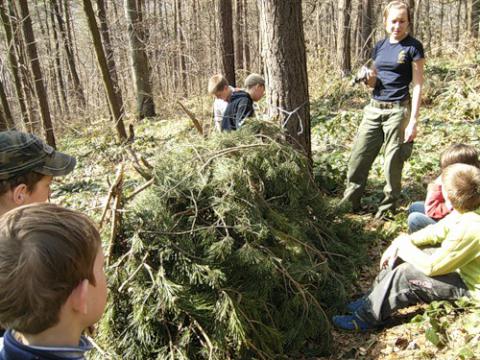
(255, 86)
(459, 153)
(27, 166)
(51, 269)
(461, 186)
(396, 18)
(218, 87)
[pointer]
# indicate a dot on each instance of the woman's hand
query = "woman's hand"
(410, 131)
(371, 79)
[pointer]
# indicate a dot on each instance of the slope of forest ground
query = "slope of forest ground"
(451, 113)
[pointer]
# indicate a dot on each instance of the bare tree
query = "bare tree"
(367, 26)
(37, 74)
(225, 35)
(344, 62)
(140, 69)
(12, 58)
(286, 68)
(473, 17)
(70, 58)
(116, 107)
(6, 115)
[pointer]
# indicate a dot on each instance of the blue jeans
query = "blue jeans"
(416, 217)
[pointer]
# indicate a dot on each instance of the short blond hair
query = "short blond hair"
(46, 251)
(461, 183)
(398, 5)
(216, 83)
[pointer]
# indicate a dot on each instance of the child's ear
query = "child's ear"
(19, 194)
(78, 297)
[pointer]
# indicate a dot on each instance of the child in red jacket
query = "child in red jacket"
(434, 208)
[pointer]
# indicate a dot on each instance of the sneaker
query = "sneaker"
(353, 306)
(351, 323)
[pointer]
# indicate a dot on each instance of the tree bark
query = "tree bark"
(367, 29)
(70, 57)
(13, 62)
(473, 17)
(140, 69)
(107, 45)
(37, 74)
(182, 68)
(411, 4)
(225, 34)
(238, 34)
(58, 63)
(116, 107)
(343, 37)
(7, 118)
(286, 69)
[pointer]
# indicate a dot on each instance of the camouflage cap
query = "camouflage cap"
(21, 153)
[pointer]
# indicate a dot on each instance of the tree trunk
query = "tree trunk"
(367, 29)
(116, 107)
(473, 17)
(457, 28)
(343, 37)
(140, 69)
(37, 74)
(238, 34)
(411, 4)
(182, 68)
(70, 57)
(107, 45)
(225, 34)
(13, 62)
(7, 118)
(246, 42)
(58, 63)
(286, 69)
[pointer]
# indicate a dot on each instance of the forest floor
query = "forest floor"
(451, 113)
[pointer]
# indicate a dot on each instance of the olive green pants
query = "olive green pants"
(377, 127)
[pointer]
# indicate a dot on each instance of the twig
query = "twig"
(111, 192)
(116, 218)
(105, 355)
(120, 288)
(196, 123)
(137, 165)
(140, 189)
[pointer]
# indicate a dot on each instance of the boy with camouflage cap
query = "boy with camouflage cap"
(27, 167)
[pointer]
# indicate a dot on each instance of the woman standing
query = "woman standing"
(391, 116)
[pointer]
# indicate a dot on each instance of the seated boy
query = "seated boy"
(219, 88)
(241, 102)
(434, 208)
(27, 167)
(52, 283)
(450, 272)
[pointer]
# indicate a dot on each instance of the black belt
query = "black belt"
(389, 104)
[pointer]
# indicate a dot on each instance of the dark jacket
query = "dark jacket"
(14, 350)
(239, 108)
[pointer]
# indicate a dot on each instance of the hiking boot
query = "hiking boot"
(351, 323)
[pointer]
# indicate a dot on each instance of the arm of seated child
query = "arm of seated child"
(459, 247)
(435, 206)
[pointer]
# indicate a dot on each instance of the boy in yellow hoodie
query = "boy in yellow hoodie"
(450, 272)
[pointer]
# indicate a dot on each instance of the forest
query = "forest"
(233, 245)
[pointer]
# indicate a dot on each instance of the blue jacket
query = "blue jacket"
(14, 350)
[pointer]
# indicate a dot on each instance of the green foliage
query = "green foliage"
(233, 253)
